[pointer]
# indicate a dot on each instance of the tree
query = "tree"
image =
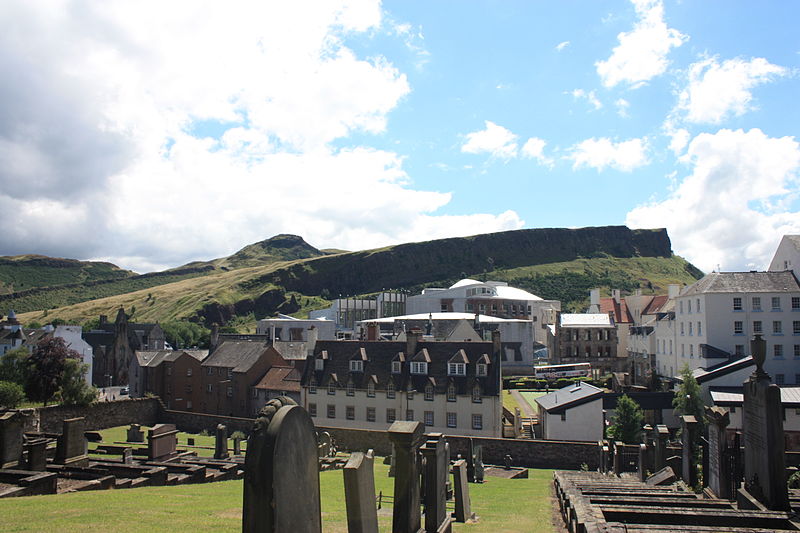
(11, 394)
(45, 367)
(13, 366)
(185, 334)
(73, 388)
(628, 421)
(688, 397)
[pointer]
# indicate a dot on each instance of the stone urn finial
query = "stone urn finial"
(758, 348)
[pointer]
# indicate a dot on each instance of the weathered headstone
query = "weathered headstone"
(517, 423)
(602, 446)
(479, 463)
(237, 445)
(325, 444)
(392, 460)
(718, 477)
(437, 470)
(359, 493)
(221, 442)
(643, 466)
(11, 424)
(127, 456)
(689, 441)
(407, 438)
(463, 505)
(135, 433)
(281, 481)
(665, 476)
(617, 458)
(507, 461)
(162, 442)
(37, 454)
(471, 461)
(762, 425)
(660, 447)
(71, 447)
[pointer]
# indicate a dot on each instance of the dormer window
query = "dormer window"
(312, 386)
(356, 365)
(482, 369)
(319, 364)
(397, 367)
(419, 367)
(456, 369)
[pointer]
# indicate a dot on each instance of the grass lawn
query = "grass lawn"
(510, 402)
(502, 505)
(530, 397)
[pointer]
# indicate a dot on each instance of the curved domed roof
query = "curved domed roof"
(464, 283)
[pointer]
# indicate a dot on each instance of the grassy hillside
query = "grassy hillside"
(279, 248)
(23, 272)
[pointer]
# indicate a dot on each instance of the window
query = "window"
(776, 303)
(756, 303)
(699, 328)
(737, 303)
(476, 394)
(757, 327)
(319, 364)
(795, 303)
(456, 369)
(312, 409)
(230, 391)
(255, 393)
(777, 350)
(680, 305)
(477, 421)
(397, 367)
(682, 330)
(428, 418)
(350, 412)
(351, 390)
(331, 388)
(331, 410)
(189, 372)
(390, 390)
(690, 328)
(189, 404)
(443, 308)
(777, 327)
(419, 367)
(689, 306)
(410, 415)
(370, 389)
(451, 393)
(209, 371)
(209, 388)
(189, 388)
(428, 392)
(370, 414)
(738, 350)
(169, 370)
(796, 327)
(691, 350)
(452, 420)
(391, 415)
(780, 379)
(737, 327)
(356, 365)
(796, 350)
(230, 373)
(698, 305)
(312, 386)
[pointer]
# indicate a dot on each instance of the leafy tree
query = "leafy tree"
(92, 323)
(34, 325)
(184, 334)
(628, 421)
(73, 388)
(45, 367)
(11, 394)
(688, 397)
(13, 366)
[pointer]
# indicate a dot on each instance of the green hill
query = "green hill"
(23, 272)
(281, 247)
(553, 263)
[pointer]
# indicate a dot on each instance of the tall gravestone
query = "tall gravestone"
(718, 477)
(762, 425)
(463, 504)
(281, 481)
(135, 433)
(437, 471)
(479, 463)
(359, 493)
(660, 447)
(162, 442)
(11, 425)
(689, 439)
(71, 448)
(407, 438)
(471, 461)
(37, 454)
(221, 442)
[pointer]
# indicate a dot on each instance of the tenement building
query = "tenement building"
(451, 387)
(589, 338)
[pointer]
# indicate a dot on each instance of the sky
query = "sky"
(151, 134)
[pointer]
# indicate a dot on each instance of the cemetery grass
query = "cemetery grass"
(510, 402)
(203, 444)
(512, 505)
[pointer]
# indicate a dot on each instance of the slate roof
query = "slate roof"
(378, 366)
(619, 310)
(702, 375)
(735, 282)
(200, 355)
(656, 304)
(151, 358)
(291, 350)
(569, 396)
(790, 397)
(238, 355)
(280, 378)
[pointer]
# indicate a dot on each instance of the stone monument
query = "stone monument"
(221, 442)
(437, 472)
(11, 424)
(407, 438)
(71, 448)
(717, 477)
(359, 493)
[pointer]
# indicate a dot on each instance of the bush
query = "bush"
(11, 394)
(628, 420)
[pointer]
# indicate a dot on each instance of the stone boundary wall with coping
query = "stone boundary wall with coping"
(100, 415)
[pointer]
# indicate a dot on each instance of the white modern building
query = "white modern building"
(787, 255)
(74, 341)
(574, 413)
(288, 328)
(346, 312)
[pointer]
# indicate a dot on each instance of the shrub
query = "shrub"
(11, 394)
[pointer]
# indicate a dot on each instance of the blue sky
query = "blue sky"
(153, 136)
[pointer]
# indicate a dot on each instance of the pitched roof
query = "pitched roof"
(200, 355)
(790, 397)
(291, 350)
(703, 375)
(734, 282)
(570, 396)
(238, 355)
(151, 358)
(280, 378)
(618, 309)
(655, 305)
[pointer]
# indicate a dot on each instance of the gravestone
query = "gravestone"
(325, 442)
(11, 424)
(407, 438)
(643, 466)
(507, 461)
(471, 461)
(437, 471)
(689, 439)
(359, 493)
(71, 446)
(37, 454)
(660, 447)
(479, 463)
(617, 458)
(281, 480)
(463, 505)
(517, 423)
(602, 445)
(762, 425)
(221, 442)
(237, 445)
(162, 442)
(135, 433)
(718, 477)
(392, 460)
(127, 456)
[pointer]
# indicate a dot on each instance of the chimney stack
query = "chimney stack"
(616, 294)
(412, 338)
(372, 331)
(673, 290)
(496, 342)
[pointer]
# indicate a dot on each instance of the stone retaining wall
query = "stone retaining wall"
(98, 415)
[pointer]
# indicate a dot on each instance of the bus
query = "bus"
(551, 372)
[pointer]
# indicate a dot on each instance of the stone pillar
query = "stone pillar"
(437, 471)
(617, 458)
(72, 446)
(689, 437)
(11, 424)
(37, 455)
(603, 447)
(392, 461)
(237, 446)
(718, 476)
(407, 438)
(463, 504)
(471, 461)
(359, 493)
(517, 423)
(660, 447)
(478, 463)
(221, 443)
(644, 462)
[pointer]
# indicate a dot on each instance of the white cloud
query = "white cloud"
(735, 204)
(622, 107)
(560, 46)
(716, 90)
(642, 52)
(99, 104)
(493, 139)
(601, 153)
(534, 149)
(589, 96)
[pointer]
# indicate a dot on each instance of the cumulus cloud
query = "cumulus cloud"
(560, 46)
(736, 203)
(105, 114)
(642, 52)
(534, 149)
(603, 152)
(718, 90)
(493, 139)
(589, 96)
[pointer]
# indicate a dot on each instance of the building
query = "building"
(278, 381)
(588, 338)
(346, 312)
(451, 387)
(230, 373)
(173, 375)
(72, 336)
(286, 328)
(790, 401)
(574, 413)
(787, 255)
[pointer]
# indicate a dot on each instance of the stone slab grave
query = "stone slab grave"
(359, 492)
(11, 427)
(281, 483)
(135, 433)
(221, 442)
(162, 442)
(71, 448)
(507, 471)
(36, 449)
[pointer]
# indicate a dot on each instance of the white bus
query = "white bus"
(551, 372)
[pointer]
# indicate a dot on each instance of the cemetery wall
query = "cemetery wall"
(197, 422)
(99, 415)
